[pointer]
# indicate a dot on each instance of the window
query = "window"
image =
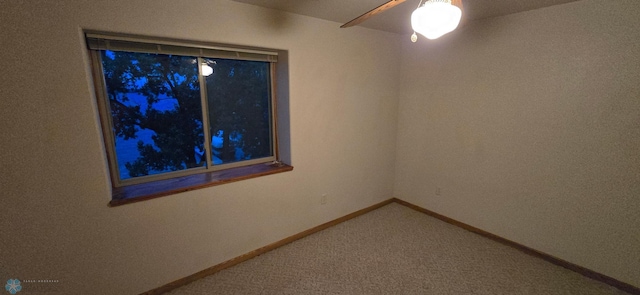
(173, 109)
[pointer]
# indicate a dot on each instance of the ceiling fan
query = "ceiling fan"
(432, 18)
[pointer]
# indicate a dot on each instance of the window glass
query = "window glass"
(156, 112)
(239, 104)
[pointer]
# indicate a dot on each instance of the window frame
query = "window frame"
(119, 185)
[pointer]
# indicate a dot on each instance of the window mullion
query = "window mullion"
(205, 114)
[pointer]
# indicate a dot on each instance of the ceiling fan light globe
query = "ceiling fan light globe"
(435, 19)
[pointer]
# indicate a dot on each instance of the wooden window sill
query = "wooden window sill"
(150, 190)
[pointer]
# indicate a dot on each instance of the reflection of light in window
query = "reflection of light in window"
(206, 70)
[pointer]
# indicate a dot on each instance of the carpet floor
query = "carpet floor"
(396, 250)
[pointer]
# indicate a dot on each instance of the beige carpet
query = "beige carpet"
(396, 250)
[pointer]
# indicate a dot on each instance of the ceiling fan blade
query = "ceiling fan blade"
(367, 15)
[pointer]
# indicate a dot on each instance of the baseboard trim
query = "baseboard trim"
(557, 261)
(229, 263)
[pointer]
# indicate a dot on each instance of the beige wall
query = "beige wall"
(530, 125)
(55, 223)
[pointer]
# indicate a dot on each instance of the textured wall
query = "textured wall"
(530, 125)
(55, 223)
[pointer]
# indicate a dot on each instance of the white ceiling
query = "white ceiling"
(397, 19)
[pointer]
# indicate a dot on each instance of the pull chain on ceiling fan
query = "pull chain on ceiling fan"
(432, 19)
